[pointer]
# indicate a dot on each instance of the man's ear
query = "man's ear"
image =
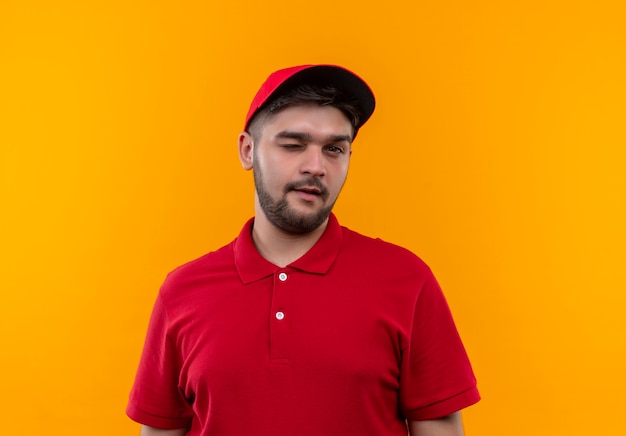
(246, 150)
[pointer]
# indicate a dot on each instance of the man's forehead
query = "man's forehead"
(309, 117)
(309, 137)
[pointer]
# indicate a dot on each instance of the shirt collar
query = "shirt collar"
(318, 260)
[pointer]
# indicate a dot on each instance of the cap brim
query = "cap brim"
(342, 79)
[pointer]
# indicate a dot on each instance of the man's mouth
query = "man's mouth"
(308, 194)
(314, 191)
(309, 189)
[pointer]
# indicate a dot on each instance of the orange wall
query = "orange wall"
(497, 153)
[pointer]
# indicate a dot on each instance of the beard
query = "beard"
(284, 217)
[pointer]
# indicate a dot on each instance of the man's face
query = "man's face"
(300, 162)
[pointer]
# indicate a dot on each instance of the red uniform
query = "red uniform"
(352, 338)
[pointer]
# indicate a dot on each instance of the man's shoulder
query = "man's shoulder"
(379, 249)
(208, 264)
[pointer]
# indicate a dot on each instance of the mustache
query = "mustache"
(308, 182)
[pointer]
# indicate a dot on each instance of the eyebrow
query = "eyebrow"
(306, 137)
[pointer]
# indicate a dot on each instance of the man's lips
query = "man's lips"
(308, 189)
(309, 195)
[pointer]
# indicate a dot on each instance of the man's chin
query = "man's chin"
(301, 222)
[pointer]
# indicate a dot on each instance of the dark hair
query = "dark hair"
(323, 95)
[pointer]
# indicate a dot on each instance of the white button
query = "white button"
(282, 277)
(280, 315)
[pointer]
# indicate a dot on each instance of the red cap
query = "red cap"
(343, 79)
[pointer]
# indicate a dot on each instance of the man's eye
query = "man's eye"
(291, 146)
(334, 149)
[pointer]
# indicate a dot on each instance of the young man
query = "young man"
(301, 327)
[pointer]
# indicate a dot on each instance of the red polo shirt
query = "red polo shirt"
(352, 338)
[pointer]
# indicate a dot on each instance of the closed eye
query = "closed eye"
(292, 146)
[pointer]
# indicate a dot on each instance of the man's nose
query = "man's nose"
(313, 162)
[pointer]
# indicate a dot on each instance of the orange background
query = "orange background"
(497, 154)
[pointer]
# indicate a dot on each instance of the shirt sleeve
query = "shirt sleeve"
(436, 377)
(155, 399)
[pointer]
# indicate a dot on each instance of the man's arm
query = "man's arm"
(151, 431)
(450, 425)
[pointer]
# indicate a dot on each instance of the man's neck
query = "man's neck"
(279, 247)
